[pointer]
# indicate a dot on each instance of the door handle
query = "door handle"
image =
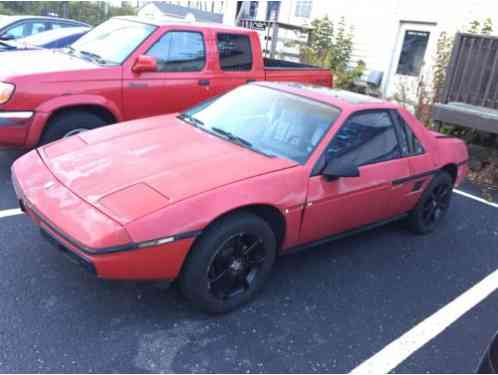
(203, 82)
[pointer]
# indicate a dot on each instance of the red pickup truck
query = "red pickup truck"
(129, 68)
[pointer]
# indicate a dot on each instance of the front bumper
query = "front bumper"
(88, 236)
(14, 127)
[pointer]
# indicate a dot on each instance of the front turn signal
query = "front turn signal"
(6, 91)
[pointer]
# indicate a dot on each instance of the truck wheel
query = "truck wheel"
(229, 264)
(70, 123)
(433, 205)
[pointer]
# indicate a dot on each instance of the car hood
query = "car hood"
(150, 163)
(25, 62)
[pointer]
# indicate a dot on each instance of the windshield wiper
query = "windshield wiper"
(190, 119)
(95, 57)
(232, 137)
(240, 141)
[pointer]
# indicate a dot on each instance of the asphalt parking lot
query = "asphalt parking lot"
(325, 310)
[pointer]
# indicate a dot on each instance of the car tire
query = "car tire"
(229, 264)
(70, 123)
(433, 205)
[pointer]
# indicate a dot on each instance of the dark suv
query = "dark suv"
(15, 27)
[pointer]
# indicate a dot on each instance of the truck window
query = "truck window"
(234, 52)
(179, 51)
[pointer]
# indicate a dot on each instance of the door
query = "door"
(369, 140)
(181, 80)
(413, 48)
(236, 65)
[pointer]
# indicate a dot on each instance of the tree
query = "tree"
(331, 46)
(91, 12)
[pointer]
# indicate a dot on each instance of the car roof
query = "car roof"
(48, 18)
(159, 22)
(52, 35)
(336, 97)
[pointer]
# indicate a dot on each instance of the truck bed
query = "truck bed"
(281, 71)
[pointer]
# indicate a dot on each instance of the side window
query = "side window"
(55, 25)
(235, 52)
(38, 27)
(16, 32)
(409, 143)
(179, 51)
(366, 138)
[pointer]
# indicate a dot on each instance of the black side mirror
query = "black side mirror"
(335, 169)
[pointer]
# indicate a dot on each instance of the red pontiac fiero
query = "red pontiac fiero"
(212, 195)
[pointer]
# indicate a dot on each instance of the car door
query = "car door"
(369, 140)
(181, 79)
(236, 65)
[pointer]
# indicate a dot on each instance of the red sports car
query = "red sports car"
(211, 196)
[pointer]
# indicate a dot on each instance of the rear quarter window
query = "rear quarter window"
(234, 51)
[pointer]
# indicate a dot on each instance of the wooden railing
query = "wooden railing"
(472, 75)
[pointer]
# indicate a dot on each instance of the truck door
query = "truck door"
(182, 78)
(239, 61)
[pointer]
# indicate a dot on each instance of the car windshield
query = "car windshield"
(113, 41)
(269, 121)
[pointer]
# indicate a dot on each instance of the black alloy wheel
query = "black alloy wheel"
(235, 265)
(433, 205)
(229, 263)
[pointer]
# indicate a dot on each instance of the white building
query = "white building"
(200, 11)
(395, 37)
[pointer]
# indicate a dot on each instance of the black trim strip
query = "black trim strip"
(445, 137)
(185, 235)
(415, 177)
(342, 235)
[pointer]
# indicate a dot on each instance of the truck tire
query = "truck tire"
(70, 123)
(229, 264)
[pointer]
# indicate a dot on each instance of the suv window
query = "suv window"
(38, 27)
(179, 51)
(15, 32)
(25, 29)
(234, 51)
(366, 138)
(409, 143)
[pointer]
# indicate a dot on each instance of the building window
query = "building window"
(247, 9)
(272, 10)
(412, 54)
(303, 9)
